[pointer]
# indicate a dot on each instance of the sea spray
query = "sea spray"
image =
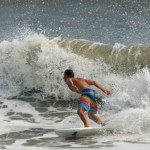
(38, 62)
(122, 59)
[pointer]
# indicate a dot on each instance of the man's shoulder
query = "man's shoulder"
(71, 80)
(79, 78)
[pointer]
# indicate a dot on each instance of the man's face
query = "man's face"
(65, 77)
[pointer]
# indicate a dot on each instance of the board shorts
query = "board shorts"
(90, 100)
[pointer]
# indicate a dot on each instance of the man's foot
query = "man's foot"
(88, 126)
(103, 124)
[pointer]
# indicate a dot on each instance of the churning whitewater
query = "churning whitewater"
(35, 101)
(107, 41)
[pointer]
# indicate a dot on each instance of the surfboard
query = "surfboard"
(78, 132)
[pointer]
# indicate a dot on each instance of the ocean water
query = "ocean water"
(107, 41)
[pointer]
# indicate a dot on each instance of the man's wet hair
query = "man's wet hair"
(69, 73)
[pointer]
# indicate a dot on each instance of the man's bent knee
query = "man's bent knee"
(90, 115)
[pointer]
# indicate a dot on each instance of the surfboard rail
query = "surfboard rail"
(78, 132)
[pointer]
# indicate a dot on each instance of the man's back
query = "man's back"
(80, 83)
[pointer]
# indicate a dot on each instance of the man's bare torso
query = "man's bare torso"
(80, 83)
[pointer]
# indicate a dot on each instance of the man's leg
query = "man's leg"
(93, 117)
(83, 116)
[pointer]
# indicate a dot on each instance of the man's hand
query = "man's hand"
(107, 92)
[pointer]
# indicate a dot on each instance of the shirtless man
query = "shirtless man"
(89, 100)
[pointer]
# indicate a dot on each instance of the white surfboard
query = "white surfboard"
(78, 132)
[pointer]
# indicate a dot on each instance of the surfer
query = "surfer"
(89, 100)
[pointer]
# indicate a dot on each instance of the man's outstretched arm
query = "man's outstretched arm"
(92, 82)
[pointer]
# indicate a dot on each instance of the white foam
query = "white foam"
(39, 62)
(15, 106)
